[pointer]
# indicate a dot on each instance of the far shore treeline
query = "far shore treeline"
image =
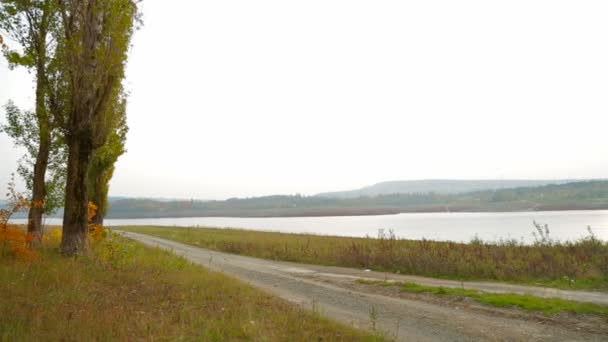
(586, 195)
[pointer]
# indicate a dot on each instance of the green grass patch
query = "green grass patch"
(575, 265)
(123, 291)
(548, 306)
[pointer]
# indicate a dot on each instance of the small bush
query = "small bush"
(117, 254)
(15, 241)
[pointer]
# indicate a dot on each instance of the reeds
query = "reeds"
(572, 264)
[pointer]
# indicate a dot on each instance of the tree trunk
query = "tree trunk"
(75, 216)
(98, 199)
(34, 226)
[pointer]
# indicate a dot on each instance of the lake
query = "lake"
(564, 225)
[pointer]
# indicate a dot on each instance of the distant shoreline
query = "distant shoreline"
(592, 195)
(350, 212)
(367, 212)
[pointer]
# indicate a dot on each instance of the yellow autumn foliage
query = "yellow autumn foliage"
(96, 232)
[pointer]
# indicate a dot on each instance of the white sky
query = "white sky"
(244, 98)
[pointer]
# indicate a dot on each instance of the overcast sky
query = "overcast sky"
(246, 98)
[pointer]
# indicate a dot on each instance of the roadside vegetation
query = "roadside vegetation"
(124, 291)
(548, 306)
(581, 264)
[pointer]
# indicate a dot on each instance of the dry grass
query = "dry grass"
(579, 265)
(125, 292)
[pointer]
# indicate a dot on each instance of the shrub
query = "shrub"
(16, 242)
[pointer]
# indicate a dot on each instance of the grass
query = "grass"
(125, 292)
(548, 306)
(581, 264)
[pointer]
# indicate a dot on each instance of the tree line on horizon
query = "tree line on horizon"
(575, 195)
(76, 51)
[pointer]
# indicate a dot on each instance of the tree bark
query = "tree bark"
(99, 199)
(34, 226)
(75, 216)
(36, 212)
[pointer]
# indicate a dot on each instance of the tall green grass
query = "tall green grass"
(581, 264)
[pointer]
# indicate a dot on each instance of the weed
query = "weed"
(373, 317)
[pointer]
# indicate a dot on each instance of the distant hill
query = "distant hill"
(587, 195)
(439, 186)
(581, 195)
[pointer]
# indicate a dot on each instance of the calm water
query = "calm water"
(564, 225)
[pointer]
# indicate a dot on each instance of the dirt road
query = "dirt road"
(331, 291)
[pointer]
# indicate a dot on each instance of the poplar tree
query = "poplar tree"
(22, 127)
(97, 36)
(101, 169)
(30, 24)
